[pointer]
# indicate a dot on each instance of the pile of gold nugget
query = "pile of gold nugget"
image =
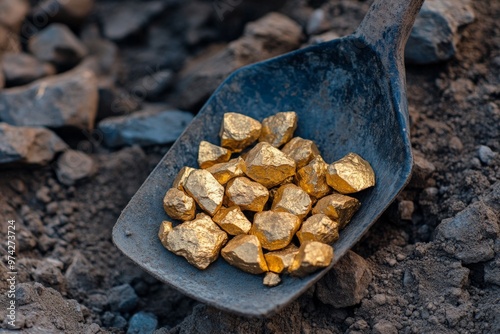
(254, 204)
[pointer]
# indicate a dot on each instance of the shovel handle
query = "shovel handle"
(387, 26)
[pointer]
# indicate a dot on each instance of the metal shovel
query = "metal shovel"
(350, 96)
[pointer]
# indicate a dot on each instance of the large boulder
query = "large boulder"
(68, 99)
(435, 34)
(24, 145)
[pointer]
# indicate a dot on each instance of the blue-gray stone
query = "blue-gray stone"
(435, 34)
(144, 128)
(122, 298)
(486, 155)
(142, 323)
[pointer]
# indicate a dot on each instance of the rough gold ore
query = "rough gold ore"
(312, 256)
(319, 228)
(226, 171)
(246, 194)
(210, 154)
(165, 229)
(350, 174)
(275, 230)
(268, 165)
(302, 151)
(271, 279)
(181, 177)
(199, 241)
(312, 178)
(338, 207)
(279, 261)
(245, 252)
(232, 220)
(278, 129)
(178, 205)
(238, 131)
(292, 199)
(206, 191)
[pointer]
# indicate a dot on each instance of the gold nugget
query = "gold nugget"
(275, 230)
(337, 207)
(302, 151)
(312, 256)
(238, 131)
(312, 178)
(178, 205)
(199, 241)
(278, 129)
(246, 194)
(350, 174)
(165, 229)
(206, 191)
(181, 177)
(280, 261)
(226, 171)
(268, 165)
(232, 220)
(210, 154)
(245, 252)
(271, 279)
(319, 228)
(292, 199)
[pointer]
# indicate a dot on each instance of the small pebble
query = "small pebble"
(486, 155)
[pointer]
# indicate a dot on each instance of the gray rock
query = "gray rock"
(26, 145)
(68, 99)
(142, 323)
(115, 101)
(485, 154)
(122, 298)
(12, 13)
(71, 12)
(144, 128)
(322, 38)
(492, 199)
(73, 166)
(384, 327)
(267, 37)
(152, 86)
(22, 68)
(79, 275)
(346, 284)
(127, 19)
(58, 45)
(435, 34)
(470, 235)
(492, 271)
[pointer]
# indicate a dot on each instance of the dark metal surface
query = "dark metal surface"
(349, 95)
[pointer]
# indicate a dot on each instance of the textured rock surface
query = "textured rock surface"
(28, 145)
(144, 128)
(435, 34)
(73, 166)
(471, 234)
(68, 99)
(346, 284)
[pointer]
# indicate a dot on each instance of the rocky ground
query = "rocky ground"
(95, 92)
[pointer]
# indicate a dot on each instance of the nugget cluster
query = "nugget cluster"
(264, 200)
